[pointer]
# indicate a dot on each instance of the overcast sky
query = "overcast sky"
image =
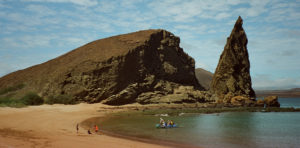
(35, 31)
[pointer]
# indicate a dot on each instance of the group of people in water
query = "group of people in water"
(165, 124)
(162, 123)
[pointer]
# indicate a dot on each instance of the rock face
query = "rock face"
(232, 75)
(117, 70)
(180, 94)
(271, 101)
(242, 101)
(260, 103)
(204, 77)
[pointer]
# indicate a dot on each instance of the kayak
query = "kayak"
(168, 126)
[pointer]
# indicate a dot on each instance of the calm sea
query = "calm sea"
(226, 130)
(289, 102)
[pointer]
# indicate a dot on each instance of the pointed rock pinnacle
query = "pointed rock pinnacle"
(232, 75)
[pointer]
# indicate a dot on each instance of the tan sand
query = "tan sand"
(55, 126)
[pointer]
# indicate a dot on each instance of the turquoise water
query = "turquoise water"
(289, 102)
(226, 130)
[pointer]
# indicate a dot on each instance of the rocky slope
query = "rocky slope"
(134, 67)
(204, 77)
(232, 75)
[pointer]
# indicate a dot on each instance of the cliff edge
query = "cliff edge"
(121, 69)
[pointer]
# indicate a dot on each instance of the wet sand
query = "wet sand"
(55, 126)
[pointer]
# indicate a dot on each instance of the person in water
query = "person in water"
(170, 123)
(162, 122)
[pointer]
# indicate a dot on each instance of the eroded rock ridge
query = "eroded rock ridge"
(232, 75)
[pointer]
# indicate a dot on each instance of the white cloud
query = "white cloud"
(288, 13)
(130, 4)
(199, 64)
(6, 69)
(189, 11)
(26, 41)
(257, 7)
(234, 2)
(40, 10)
(178, 11)
(106, 6)
(223, 15)
(86, 3)
(201, 29)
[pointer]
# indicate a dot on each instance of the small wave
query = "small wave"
(163, 115)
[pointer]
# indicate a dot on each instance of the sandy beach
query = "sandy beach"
(55, 126)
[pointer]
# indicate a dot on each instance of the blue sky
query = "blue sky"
(35, 31)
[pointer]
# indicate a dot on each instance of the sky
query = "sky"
(35, 31)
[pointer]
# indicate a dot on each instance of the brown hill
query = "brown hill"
(290, 93)
(116, 69)
(204, 77)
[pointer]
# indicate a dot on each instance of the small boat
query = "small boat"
(167, 126)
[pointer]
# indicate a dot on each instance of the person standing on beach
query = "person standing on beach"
(89, 131)
(77, 127)
(96, 128)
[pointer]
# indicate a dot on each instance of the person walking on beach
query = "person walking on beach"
(77, 127)
(96, 128)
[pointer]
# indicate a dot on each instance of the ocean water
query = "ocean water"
(226, 130)
(289, 102)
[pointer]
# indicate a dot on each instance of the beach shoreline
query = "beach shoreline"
(55, 126)
(87, 124)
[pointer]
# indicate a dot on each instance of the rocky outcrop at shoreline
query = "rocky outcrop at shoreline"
(232, 75)
(231, 83)
(271, 101)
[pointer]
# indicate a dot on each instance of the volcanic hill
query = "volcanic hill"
(204, 77)
(290, 93)
(122, 69)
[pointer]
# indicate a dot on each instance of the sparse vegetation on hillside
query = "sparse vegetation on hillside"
(8, 98)
(32, 99)
(60, 99)
(11, 102)
(11, 89)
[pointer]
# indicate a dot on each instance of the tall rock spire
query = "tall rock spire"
(232, 75)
